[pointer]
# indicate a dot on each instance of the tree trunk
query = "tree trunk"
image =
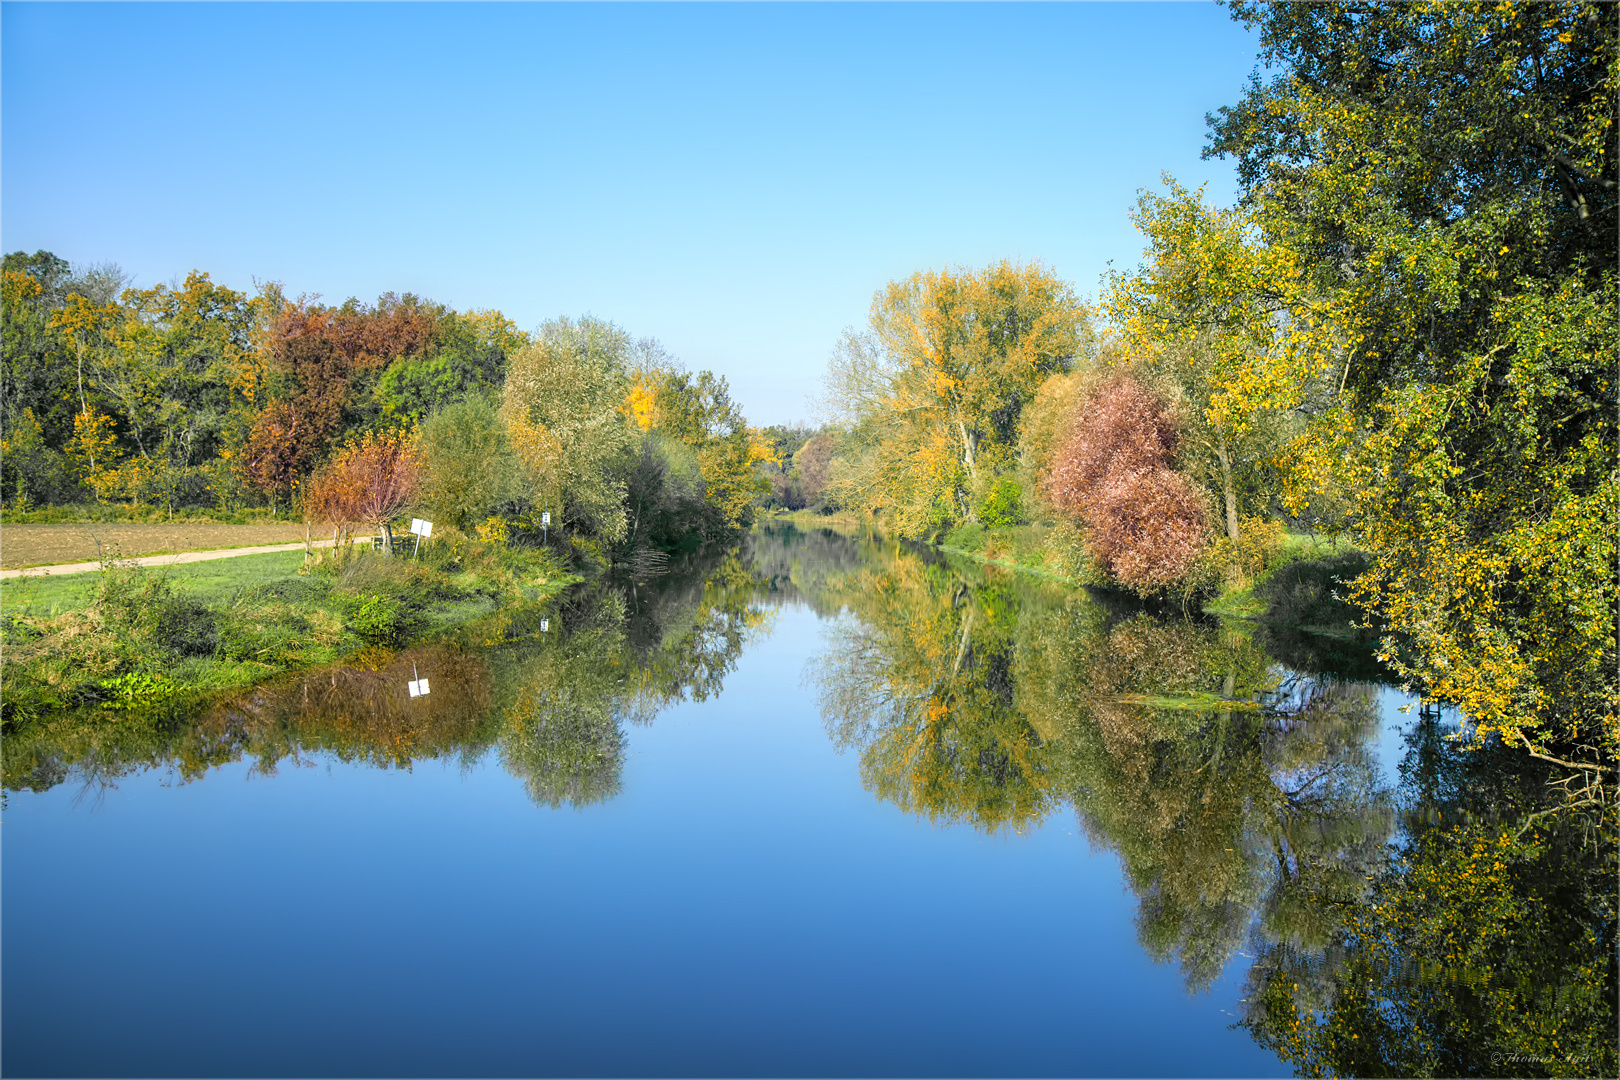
(967, 450)
(388, 538)
(1227, 489)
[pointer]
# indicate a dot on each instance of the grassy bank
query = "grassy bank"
(128, 637)
(1298, 584)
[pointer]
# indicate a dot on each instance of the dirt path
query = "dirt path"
(49, 545)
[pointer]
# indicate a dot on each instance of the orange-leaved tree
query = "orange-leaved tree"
(370, 481)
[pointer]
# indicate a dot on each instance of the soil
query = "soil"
(45, 545)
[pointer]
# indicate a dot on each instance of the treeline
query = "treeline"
(200, 396)
(1404, 332)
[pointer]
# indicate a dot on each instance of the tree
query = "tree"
(698, 411)
(1444, 177)
(932, 392)
(468, 468)
(1144, 523)
(1216, 316)
(561, 407)
(369, 482)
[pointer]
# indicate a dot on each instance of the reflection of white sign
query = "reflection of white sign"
(418, 687)
(545, 517)
(421, 528)
(545, 624)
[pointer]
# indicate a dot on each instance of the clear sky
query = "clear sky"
(735, 180)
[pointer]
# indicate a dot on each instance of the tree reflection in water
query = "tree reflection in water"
(551, 687)
(1234, 791)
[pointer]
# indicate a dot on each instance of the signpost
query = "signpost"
(545, 525)
(420, 528)
(418, 687)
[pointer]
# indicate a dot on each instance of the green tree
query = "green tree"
(468, 467)
(698, 412)
(1445, 177)
(561, 405)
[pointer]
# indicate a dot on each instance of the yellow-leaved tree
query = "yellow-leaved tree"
(1219, 318)
(933, 390)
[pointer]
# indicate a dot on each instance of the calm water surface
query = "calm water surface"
(822, 808)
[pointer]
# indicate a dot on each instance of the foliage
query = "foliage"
(369, 482)
(1444, 179)
(1004, 505)
(1144, 523)
(561, 408)
(468, 467)
(933, 391)
(1211, 316)
(699, 413)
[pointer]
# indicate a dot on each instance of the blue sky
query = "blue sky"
(735, 180)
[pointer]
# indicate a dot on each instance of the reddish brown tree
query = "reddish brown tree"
(1112, 472)
(369, 482)
(276, 455)
(321, 355)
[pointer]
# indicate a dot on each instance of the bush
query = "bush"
(1145, 523)
(1004, 505)
(186, 627)
(382, 620)
(467, 462)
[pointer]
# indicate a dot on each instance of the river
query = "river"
(823, 807)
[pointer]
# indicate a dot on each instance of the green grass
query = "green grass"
(212, 581)
(137, 637)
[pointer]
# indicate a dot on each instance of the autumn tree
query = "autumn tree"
(324, 362)
(1217, 316)
(933, 390)
(1114, 472)
(369, 482)
(1444, 177)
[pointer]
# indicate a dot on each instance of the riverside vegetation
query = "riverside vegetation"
(1375, 397)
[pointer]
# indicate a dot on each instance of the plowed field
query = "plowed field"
(43, 545)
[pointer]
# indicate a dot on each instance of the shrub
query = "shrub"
(1004, 505)
(186, 627)
(1146, 525)
(381, 620)
(1147, 528)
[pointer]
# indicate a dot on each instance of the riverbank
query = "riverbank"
(1300, 584)
(131, 637)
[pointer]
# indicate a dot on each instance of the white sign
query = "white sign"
(545, 517)
(421, 528)
(417, 687)
(545, 624)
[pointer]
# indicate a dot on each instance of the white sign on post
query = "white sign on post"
(417, 687)
(545, 517)
(421, 528)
